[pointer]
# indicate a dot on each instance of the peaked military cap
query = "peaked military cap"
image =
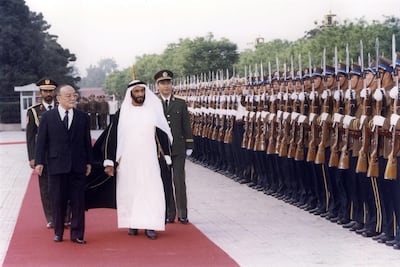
(307, 73)
(317, 72)
(46, 84)
(329, 70)
(341, 68)
(383, 63)
(163, 75)
(356, 70)
(276, 75)
(299, 75)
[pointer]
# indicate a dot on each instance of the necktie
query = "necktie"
(50, 107)
(166, 103)
(65, 120)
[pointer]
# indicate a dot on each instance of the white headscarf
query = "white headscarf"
(151, 103)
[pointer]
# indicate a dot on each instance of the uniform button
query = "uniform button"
(168, 116)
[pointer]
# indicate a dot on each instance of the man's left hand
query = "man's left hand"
(88, 169)
(189, 152)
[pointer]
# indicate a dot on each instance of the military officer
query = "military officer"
(34, 113)
(177, 114)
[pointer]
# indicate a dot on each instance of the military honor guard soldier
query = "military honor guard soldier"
(176, 112)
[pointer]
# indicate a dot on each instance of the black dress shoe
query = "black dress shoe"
(183, 220)
(49, 225)
(385, 239)
(391, 242)
(79, 241)
(334, 219)
(343, 221)
(360, 231)
(377, 237)
(150, 234)
(397, 245)
(349, 224)
(132, 231)
(357, 226)
(369, 234)
(57, 238)
(323, 215)
(169, 220)
(317, 212)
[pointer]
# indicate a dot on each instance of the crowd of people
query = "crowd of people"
(101, 111)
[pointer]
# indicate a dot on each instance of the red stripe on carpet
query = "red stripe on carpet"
(13, 143)
(32, 244)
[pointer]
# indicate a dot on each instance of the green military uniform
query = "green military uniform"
(177, 116)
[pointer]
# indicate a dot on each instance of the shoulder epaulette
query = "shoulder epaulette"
(33, 106)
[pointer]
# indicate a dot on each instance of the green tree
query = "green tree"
(117, 81)
(96, 75)
(190, 57)
(329, 37)
(27, 51)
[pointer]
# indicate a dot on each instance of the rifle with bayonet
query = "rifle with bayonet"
(338, 109)
(312, 145)
(324, 118)
(228, 137)
(222, 119)
(294, 114)
(344, 160)
(299, 155)
(279, 112)
(260, 144)
(247, 118)
(271, 148)
(391, 167)
(362, 161)
(252, 124)
(284, 143)
(373, 167)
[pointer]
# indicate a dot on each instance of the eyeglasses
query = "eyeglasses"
(70, 96)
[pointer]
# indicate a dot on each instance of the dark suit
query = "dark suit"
(34, 115)
(67, 153)
(178, 119)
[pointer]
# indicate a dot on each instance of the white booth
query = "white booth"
(28, 96)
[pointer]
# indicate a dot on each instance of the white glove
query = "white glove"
(394, 92)
(189, 152)
(365, 92)
(378, 94)
(168, 159)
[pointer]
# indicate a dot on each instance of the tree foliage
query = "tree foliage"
(96, 75)
(187, 57)
(27, 51)
(328, 38)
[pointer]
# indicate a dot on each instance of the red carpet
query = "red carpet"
(32, 244)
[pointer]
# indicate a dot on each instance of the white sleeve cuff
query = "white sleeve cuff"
(107, 163)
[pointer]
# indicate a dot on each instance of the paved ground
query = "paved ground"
(254, 229)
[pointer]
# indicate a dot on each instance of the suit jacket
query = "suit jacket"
(67, 150)
(178, 119)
